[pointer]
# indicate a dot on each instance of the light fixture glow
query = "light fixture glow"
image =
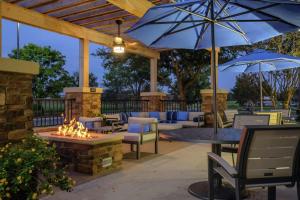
(118, 45)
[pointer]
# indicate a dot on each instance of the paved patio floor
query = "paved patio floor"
(154, 177)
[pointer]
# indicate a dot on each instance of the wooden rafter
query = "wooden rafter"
(68, 6)
(96, 15)
(33, 18)
(113, 24)
(84, 11)
(135, 7)
(42, 4)
(109, 19)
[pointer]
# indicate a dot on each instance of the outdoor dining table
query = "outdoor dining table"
(206, 135)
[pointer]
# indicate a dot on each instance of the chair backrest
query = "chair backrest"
(286, 113)
(275, 117)
(269, 155)
(242, 120)
(142, 120)
(220, 120)
(229, 114)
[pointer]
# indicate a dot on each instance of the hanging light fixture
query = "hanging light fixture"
(118, 45)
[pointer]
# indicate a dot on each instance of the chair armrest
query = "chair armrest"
(223, 163)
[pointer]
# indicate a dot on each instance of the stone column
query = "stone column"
(154, 99)
(16, 115)
(207, 103)
(86, 101)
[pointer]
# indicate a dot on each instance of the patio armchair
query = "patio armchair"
(239, 122)
(229, 114)
(267, 157)
(141, 130)
(222, 123)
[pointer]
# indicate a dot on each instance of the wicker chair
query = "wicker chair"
(267, 157)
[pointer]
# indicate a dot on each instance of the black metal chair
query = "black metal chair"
(267, 157)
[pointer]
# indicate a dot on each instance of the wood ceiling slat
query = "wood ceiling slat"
(68, 6)
(42, 4)
(84, 11)
(16, 1)
(99, 20)
(110, 24)
(96, 15)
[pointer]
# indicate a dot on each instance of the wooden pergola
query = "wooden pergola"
(87, 20)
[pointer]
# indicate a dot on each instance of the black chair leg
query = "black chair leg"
(298, 189)
(238, 190)
(138, 153)
(272, 193)
(156, 146)
(131, 147)
(211, 191)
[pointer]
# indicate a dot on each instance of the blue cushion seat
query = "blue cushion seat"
(135, 114)
(154, 115)
(138, 128)
(182, 116)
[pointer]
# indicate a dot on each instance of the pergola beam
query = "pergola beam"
(135, 7)
(33, 18)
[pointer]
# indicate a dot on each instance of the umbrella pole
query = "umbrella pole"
(214, 75)
(260, 85)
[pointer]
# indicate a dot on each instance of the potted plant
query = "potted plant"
(29, 169)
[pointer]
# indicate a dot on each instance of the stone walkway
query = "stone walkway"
(157, 177)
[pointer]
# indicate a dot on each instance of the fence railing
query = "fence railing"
(181, 105)
(51, 112)
(111, 106)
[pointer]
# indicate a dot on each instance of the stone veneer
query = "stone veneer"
(16, 115)
(89, 156)
(155, 101)
(207, 103)
(87, 101)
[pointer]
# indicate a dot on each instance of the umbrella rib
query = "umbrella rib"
(210, 20)
(249, 11)
(174, 27)
(154, 20)
(223, 7)
(238, 27)
(263, 13)
(203, 28)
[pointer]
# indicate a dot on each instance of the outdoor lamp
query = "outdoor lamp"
(119, 44)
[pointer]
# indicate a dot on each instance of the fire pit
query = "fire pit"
(87, 152)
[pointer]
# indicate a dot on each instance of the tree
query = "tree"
(190, 69)
(126, 74)
(92, 80)
(52, 77)
(283, 83)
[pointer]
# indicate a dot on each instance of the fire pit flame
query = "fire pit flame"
(73, 129)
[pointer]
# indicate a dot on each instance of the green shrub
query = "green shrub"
(29, 169)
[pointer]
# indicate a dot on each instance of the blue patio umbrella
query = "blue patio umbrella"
(200, 24)
(261, 60)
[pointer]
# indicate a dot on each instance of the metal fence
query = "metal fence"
(51, 112)
(181, 105)
(111, 106)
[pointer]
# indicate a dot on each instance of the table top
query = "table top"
(204, 135)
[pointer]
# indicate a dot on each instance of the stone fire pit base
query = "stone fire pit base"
(95, 156)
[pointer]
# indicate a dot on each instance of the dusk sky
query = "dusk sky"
(69, 47)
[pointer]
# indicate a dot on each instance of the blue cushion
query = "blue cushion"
(154, 115)
(135, 114)
(89, 125)
(124, 117)
(169, 115)
(182, 116)
(137, 128)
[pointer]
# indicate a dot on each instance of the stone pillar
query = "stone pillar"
(155, 100)
(16, 115)
(86, 102)
(207, 103)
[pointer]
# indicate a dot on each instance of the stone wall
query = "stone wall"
(207, 103)
(16, 115)
(91, 159)
(155, 101)
(87, 103)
